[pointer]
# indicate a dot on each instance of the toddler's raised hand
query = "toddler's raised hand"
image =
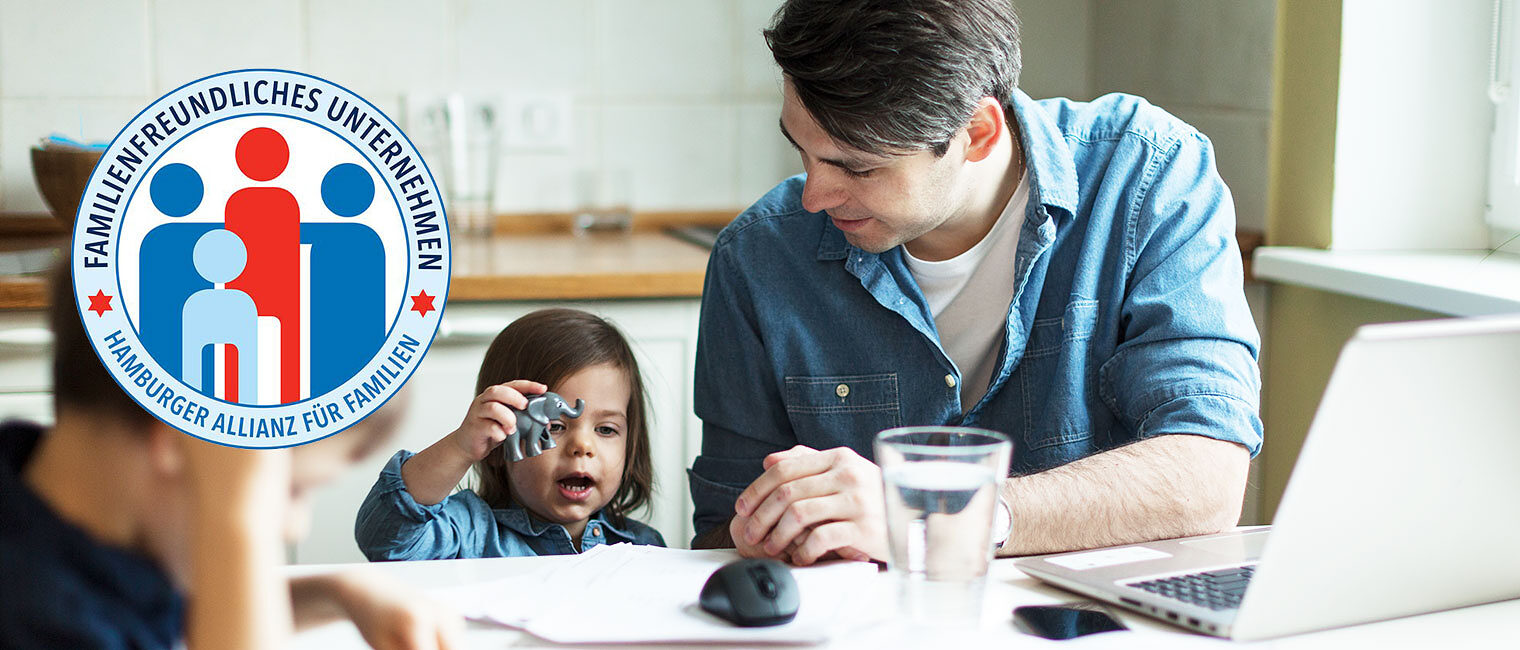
(432, 474)
(488, 422)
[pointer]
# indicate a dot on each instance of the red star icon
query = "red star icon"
(422, 303)
(100, 303)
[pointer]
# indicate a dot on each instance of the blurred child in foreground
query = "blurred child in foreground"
(119, 531)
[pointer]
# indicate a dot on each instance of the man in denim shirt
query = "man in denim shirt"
(958, 253)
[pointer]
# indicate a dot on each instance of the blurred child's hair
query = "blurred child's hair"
(548, 346)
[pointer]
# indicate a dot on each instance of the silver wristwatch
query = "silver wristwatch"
(1002, 523)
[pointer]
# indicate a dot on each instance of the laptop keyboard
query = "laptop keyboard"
(1215, 590)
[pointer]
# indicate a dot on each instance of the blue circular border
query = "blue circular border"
(80, 226)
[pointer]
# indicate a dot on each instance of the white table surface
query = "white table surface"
(1495, 625)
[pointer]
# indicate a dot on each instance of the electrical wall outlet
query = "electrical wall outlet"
(538, 122)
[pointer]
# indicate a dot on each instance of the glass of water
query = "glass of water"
(941, 487)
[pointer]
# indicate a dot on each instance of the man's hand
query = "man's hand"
(811, 505)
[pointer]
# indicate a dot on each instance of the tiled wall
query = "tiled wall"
(681, 94)
(1056, 37)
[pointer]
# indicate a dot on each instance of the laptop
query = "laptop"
(1403, 501)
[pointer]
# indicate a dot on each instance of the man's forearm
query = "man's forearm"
(1158, 488)
(716, 537)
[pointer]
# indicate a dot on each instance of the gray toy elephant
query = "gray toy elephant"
(532, 435)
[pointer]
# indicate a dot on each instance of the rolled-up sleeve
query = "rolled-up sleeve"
(1187, 363)
(743, 417)
(391, 525)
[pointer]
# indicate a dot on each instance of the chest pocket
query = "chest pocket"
(1057, 375)
(1050, 336)
(833, 410)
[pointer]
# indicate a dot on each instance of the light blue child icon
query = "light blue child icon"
(213, 316)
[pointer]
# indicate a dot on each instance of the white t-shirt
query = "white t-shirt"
(969, 295)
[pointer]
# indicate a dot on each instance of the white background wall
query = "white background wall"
(680, 93)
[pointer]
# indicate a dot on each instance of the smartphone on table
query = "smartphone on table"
(1068, 621)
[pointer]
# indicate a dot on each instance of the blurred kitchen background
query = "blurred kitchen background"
(680, 95)
(670, 107)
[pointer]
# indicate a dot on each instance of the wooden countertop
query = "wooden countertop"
(23, 292)
(533, 266)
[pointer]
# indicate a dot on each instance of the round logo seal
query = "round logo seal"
(261, 258)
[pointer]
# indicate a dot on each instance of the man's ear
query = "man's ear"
(166, 451)
(985, 129)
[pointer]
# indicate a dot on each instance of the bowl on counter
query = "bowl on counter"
(62, 173)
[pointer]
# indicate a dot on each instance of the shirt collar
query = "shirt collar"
(832, 246)
(518, 520)
(1048, 162)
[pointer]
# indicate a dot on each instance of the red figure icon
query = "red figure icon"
(268, 220)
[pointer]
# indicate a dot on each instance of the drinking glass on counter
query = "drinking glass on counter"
(463, 135)
(941, 487)
(602, 202)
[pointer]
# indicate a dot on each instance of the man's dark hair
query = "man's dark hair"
(80, 383)
(896, 76)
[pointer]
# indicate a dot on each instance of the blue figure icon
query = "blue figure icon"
(213, 316)
(347, 281)
(176, 190)
(167, 275)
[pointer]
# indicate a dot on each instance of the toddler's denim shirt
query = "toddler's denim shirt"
(393, 526)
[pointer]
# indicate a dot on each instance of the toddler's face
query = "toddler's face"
(580, 475)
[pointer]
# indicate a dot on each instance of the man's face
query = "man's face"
(879, 202)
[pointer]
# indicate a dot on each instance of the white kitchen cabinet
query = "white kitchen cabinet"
(26, 380)
(663, 333)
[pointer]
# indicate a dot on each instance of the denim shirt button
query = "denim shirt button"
(950, 380)
(596, 531)
(842, 390)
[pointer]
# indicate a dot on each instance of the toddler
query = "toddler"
(570, 498)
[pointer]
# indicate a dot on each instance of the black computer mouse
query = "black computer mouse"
(751, 593)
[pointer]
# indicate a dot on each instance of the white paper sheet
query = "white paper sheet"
(646, 594)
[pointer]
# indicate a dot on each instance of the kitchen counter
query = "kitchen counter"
(531, 266)
(530, 257)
